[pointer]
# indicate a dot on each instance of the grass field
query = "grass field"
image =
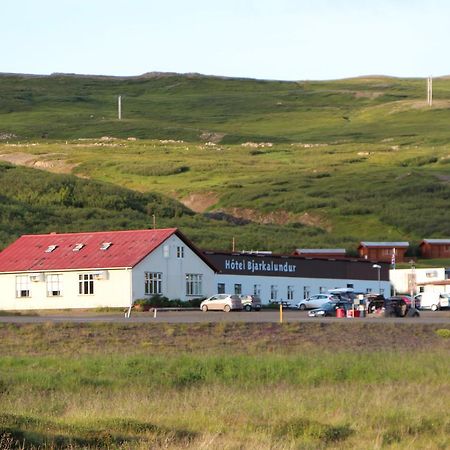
(275, 165)
(231, 386)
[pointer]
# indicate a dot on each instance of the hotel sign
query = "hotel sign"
(258, 267)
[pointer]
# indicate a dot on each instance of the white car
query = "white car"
(316, 301)
(221, 302)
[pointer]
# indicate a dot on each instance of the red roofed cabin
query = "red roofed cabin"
(328, 253)
(382, 251)
(435, 248)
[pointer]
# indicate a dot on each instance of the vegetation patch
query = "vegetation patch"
(443, 333)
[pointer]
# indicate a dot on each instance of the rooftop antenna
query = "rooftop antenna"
(430, 91)
(119, 107)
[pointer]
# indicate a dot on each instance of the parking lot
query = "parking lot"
(196, 316)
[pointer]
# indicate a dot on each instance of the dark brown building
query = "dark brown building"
(435, 248)
(331, 253)
(383, 251)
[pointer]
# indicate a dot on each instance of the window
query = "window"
(50, 248)
(77, 247)
(321, 290)
(105, 246)
(22, 286)
(166, 251)
(368, 290)
(86, 284)
(306, 292)
(221, 288)
(290, 292)
(54, 285)
(273, 292)
(180, 251)
(381, 291)
(153, 283)
(257, 290)
(238, 289)
(350, 285)
(194, 284)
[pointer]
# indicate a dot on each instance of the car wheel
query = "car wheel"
(204, 308)
(302, 307)
(227, 308)
(434, 307)
(247, 307)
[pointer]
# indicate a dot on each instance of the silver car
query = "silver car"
(251, 302)
(221, 302)
(316, 301)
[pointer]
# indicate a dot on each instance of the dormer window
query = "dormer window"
(105, 245)
(77, 247)
(50, 248)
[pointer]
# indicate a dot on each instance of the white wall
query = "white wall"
(282, 283)
(399, 277)
(164, 260)
(114, 291)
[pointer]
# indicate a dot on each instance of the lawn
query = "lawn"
(255, 386)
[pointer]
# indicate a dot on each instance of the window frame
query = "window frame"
(25, 282)
(153, 282)
(53, 283)
(194, 284)
(86, 280)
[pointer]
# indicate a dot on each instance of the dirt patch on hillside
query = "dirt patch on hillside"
(51, 162)
(279, 217)
(200, 201)
(210, 136)
(443, 177)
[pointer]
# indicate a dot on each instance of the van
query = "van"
(434, 300)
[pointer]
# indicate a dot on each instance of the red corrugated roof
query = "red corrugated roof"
(126, 250)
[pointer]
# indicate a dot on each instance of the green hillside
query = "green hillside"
(275, 165)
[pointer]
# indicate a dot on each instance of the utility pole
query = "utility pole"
(430, 91)
(119, 107)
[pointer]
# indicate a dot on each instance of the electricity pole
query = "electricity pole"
(119, 107)
(430, 91)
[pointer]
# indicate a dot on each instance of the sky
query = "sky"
(264, 39)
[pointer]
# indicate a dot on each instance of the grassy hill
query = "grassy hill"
(276, 165)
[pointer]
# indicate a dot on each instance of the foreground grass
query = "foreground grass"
(284, 397)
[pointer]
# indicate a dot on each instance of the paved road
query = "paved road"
(426, 317)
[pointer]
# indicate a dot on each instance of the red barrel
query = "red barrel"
(340, 313)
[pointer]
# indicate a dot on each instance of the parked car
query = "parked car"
(250, 302)
(316, 301)
(328, 309)
(435, 300)
(221, 302)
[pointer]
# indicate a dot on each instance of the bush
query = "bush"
(160, 301)
(443, 333)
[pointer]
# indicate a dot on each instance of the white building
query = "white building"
(113, 269)
(406, 280)
(102, 269)
(293, 278)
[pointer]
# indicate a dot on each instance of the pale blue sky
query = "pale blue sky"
(267, 39)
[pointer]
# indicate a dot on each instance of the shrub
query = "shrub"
(443, 333)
